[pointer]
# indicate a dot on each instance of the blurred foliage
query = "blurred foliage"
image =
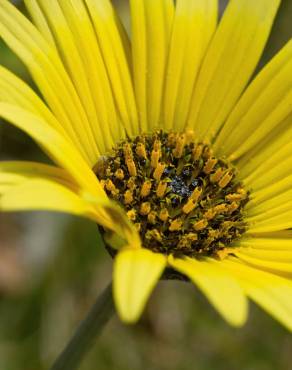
(46, 290)
(281, 32)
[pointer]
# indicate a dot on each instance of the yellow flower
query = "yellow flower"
(161, 141)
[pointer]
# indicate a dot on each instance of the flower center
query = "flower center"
(182, 199)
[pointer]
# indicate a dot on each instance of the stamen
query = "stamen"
(197, 152)
(145, 208)
(152, 217)
(131, 167)
(119, 174)
(128, 197)
(145, 190)
(153, 234)
(209, 165)
(200, 225)
(187, 240)
(128, 150)
(189, 206)
(171, 139)
(110, 186)
(155, 155)
(132, 214)
(240, 195)
(178, 151)
(131, 184)
(233, 207)
(196, 194)
(164, 215)
(212, 212)
(225, 179)
(159, 171)
(141, 151)
(215, 177)
(175, 225)
(161, 188)
(207, 152)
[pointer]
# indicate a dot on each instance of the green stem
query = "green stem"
(86, 333)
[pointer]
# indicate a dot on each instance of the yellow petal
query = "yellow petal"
(23, 186)
(58, 148)
(270, 215)
(274, 265)
(266, 102)
(271, 191)
(273, 143)
(219, 286)
(268, 204)
(271, 255)
(111, 45)
(123, 32)
(193, 26)
(14, 172)
(255, 215)
(13, 90)
(280, 222)
(136, 272)
(75, 37)
(44, 194)
(230, 61)
(271, 170)
(40, 20)
(35, 186)
(99, 83)
(277, 241)
(270, 218)
(151, 29)
(271, 292)
(45, 66)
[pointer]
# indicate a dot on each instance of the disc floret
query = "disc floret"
(182, 199)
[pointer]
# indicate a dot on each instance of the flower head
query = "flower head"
(162, 141)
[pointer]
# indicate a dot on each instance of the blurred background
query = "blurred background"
(52, 267)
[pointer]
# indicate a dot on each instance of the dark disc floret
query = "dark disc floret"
(182, 199)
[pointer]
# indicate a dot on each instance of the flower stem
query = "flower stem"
(86, 333)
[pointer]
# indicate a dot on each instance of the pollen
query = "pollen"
(182, 199)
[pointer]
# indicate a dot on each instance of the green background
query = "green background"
(53, 266)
